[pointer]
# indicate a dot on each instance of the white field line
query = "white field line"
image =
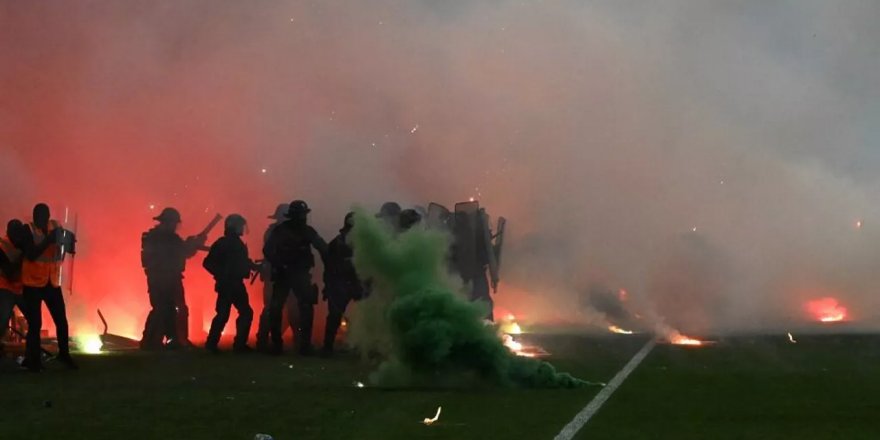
(575, 425)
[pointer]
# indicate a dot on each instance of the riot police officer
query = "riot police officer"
(289, 250)
(163, 257)
(229, 263)
(390, 214)
(279, 216)
(341, 282)
(409, 218)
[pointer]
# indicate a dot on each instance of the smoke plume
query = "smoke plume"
(434, 332)
(711, 159)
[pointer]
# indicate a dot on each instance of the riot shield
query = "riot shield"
(493, 251)
(465, 228)
(438, 217)
(499, 239)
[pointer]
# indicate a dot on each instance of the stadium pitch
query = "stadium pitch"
(822, 386)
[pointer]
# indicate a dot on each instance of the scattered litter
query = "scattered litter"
(359, 384)
(430, 422)
(230, 398)
(791, 339)
(264, 436)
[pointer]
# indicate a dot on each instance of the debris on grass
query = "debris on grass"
(429, 422)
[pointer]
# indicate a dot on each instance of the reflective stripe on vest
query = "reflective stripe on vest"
(13, 254)
(47, 267)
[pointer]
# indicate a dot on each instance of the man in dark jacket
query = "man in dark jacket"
(289, 250)
(341, 282)
(229, 263)
(163, 257)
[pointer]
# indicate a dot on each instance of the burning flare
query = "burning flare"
(516, 347)
(507, 330)
(509, 326)
(680, 339)
(89, 344)
(826, 310)
(618, 330)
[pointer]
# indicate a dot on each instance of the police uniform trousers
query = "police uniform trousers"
(306, 294)
(231, 294)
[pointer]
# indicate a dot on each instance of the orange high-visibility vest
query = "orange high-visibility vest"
(47, 267)
(13, 254)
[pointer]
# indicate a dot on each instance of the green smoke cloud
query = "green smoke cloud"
(420, 324)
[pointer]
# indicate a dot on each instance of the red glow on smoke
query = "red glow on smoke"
(826, 309)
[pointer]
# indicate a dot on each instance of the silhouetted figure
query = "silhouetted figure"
(163, 257)
(10, 275)
(289, 251)
(341, 282)
(41, 277)
(390, 214)
(229, 263)
(409, 218)
(279, 216)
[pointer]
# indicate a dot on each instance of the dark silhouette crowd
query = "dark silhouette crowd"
(32, 259)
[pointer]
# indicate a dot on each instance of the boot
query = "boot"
(68, 361)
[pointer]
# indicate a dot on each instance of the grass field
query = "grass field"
(748, 387)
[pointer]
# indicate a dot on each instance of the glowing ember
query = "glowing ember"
(791, 339)
(618, 330)
(859, 224)
(430, 422)
(89, 344)
(826, 310)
